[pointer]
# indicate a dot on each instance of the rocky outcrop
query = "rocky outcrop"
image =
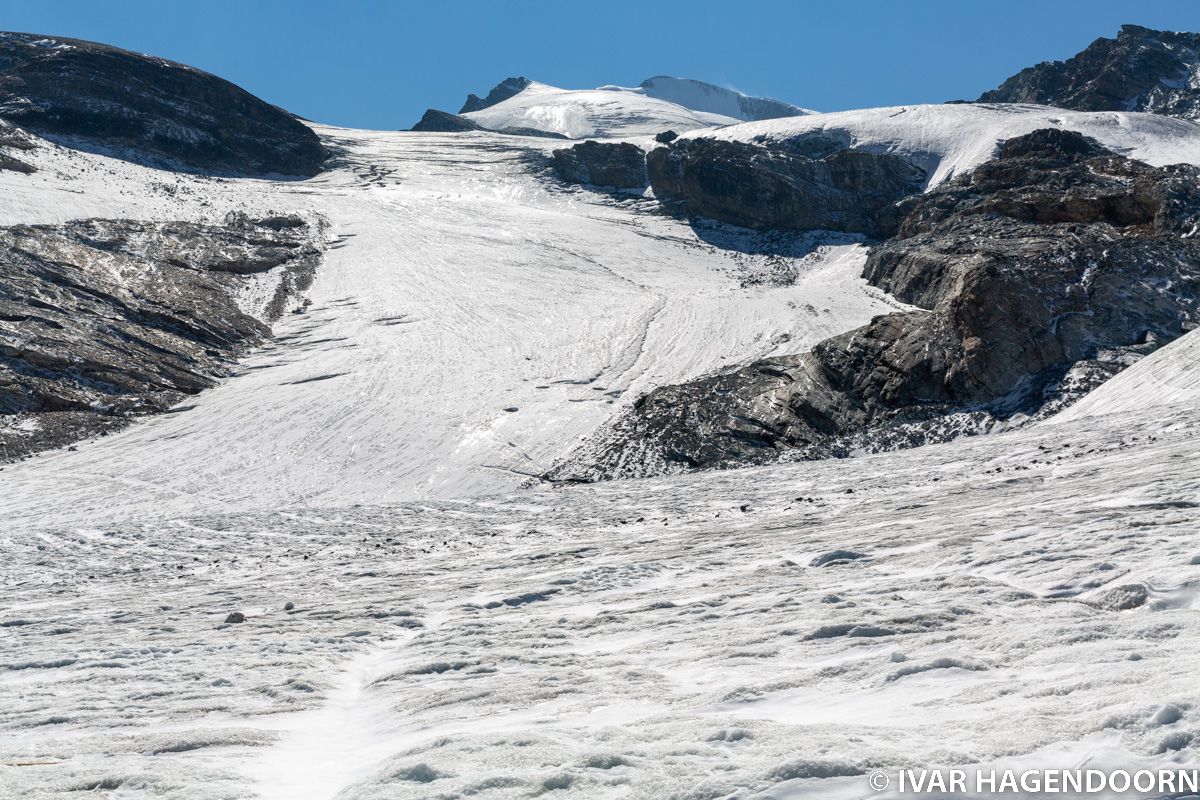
(507, 88)
(1140, 70)
(616, 165)
(147, 109)
(101, 320)
(1036, 276)
(434, 121)
(835, 188)
(14, 139)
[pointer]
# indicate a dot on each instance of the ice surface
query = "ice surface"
(610, 111)
(1023, 599)
(459, 285)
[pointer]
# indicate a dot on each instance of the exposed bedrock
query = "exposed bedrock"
(509, 87)
(836, 188)
(1140, 70)
(435, 121)
(101, 320)
(12, 141)
(143, 108)
(617, 165)
(1036, 276)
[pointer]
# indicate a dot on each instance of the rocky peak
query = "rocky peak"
(499, 93)
(147, 109)
(1141, 70)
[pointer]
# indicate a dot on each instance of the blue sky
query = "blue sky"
(368, 63)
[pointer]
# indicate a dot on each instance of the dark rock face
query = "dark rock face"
(619, 165)
(144, 108)
(666, 137)
(1037, 276)
(500, 92)
(101, 320)
(774, 188)
(435, 121)
(14, 139)
(1140, 70)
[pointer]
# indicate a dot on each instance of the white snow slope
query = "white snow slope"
(702, 96)
(946, 140)
(462, 285)
(589, 113)
(454, 636)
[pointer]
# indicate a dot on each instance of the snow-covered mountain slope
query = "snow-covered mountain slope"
(610, 111)
(946, 140)
(461, 285)
(701, 96)
(1170, 376)
(1018, 601)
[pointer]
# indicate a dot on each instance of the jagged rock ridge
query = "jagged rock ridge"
(101, 320)
(499, 93)
(1037, 276)
(1140, 70)
(147, 109)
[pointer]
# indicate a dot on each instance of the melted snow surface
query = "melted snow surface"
(947, 140)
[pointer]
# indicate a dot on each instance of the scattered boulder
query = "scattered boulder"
(617, 165)
(666, 137)
(236, 618)
(143, 108)
(776, 188)
(1123, 598)
(836, 557)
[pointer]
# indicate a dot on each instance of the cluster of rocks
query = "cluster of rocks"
(1036, 275)
(147, 109)
(102, 320)
(1140, 70)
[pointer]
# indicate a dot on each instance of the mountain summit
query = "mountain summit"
(1141, 70)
